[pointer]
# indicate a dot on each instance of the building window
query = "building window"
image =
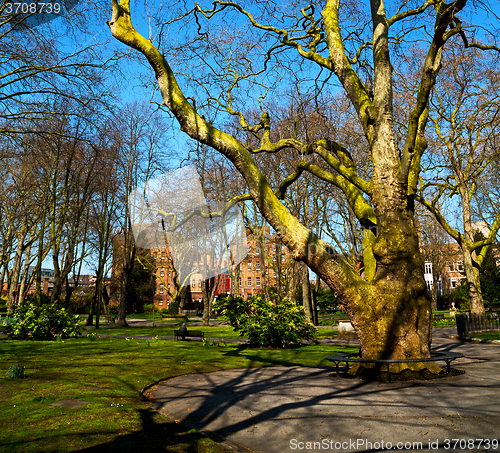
(429, 285)
(162, 255)
(160, 303)
(155, 255)
(257, 281)
(257, 265)
(249, 266)
(460, 266)
(428, 268)
(257, 249)
(240, 281)
(249, 282)
(199, 283)
(453, 283)
(274, 257)
(162, 272)
(162, 288)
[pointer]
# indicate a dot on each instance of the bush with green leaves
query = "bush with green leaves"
(113, 309)
(173, 307)
(43, 323)
(150, 308)
(16, 372)
(326, 299)
(266, 324)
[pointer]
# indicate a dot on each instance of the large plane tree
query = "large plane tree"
(354, 43)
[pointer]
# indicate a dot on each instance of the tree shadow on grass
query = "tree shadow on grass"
(157, 436)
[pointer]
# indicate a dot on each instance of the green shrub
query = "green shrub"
(43, 323)
(16, 372)
(173, 307)
(326, 300)
(266, 324)
(113, 309)
(150, 308)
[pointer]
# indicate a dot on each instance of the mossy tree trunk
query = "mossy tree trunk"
(389, 306)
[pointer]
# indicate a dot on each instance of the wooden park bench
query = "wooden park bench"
(109, 319)
(188, 333)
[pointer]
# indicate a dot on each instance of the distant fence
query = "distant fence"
(467, 322)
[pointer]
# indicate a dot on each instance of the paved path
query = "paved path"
(281, 409)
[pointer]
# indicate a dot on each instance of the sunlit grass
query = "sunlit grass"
(168, 331)
(110, 373)
(487, 335)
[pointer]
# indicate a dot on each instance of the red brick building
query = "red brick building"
(252, 273)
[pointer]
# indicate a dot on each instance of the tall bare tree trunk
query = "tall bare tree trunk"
(24, 280)
(471, 271)
(306, 292)
(128, 256)
(263, 263)
(434, 290)
(236, 284)
(473, 283)
(16, 269)
(293, 277)
(208, 288)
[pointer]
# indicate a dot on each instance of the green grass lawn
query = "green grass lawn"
(111, 373)
(168, 331)
(487, 335)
